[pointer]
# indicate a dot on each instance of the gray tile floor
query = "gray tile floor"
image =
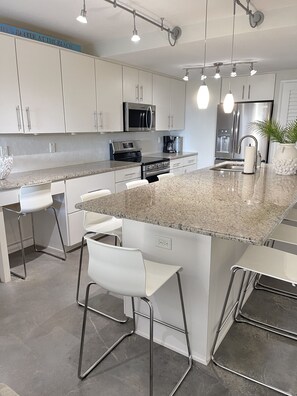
(40, 335)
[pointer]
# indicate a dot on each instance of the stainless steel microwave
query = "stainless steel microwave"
(139, 117)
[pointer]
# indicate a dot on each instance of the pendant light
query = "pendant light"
(203, 92)
(228, 104)
(135, 37)
(82, 18)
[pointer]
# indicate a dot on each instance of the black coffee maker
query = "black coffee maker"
(169, 144)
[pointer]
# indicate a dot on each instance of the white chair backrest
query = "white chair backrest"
(91, 218)
(136, 183)
(165, 176)
(117, 269)
(36, 197)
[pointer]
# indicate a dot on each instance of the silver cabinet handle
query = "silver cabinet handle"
(18, 114)
(243, 87)
(28, 118)
(137, 92)
(101, 119)
(249, 92)
(95, 120)
(141, 93)
(171, 121)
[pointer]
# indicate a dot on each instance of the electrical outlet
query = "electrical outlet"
(163, 242)
(52, 147)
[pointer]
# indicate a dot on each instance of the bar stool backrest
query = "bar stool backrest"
(35, 198)
(136, 183)
(91, 218)
(117, 269)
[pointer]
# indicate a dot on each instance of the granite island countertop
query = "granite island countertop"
(222, 204)
(16, 180)
(173, 156)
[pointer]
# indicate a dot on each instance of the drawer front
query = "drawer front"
(177, 163)
(190, 168)
(190, 160)
(127, 174)
(82, 185)
(75, 227)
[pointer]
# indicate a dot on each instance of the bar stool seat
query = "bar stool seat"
(124, 271)
(34, 198)
(165, 176)
(257, 260)
(136, 183)
(98, 224)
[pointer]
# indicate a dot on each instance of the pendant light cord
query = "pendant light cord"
(232, 44)
(205, 32)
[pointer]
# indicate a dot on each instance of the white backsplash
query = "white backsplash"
(32, 152)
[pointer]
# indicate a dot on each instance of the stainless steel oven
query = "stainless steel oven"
(139, 117)
(151, 167)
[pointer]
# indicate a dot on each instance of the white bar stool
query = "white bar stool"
(286, 234)
(98, 224)
(34, 198)
(165, 176)
(124, 271)
(136, 183)
(257, 260)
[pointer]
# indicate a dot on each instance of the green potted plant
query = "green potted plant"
(285, 159)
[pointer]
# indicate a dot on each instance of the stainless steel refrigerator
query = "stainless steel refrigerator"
(232, 127)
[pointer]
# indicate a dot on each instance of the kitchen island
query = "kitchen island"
(202, 221)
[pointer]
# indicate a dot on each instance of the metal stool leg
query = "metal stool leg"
(78, 287)
(151, 372)
(23, 251)
(221, 325)
(91, 368)
(60, 235)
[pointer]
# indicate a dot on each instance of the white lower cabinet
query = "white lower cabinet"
(183, 165)
(124, 175)
(74, 188)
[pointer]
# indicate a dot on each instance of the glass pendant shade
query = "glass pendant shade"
(203, 97)
(228, 104)
(82, 18)
(135, 38)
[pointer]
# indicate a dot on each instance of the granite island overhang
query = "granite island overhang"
(205, 219)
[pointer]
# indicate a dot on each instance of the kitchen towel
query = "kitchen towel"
(249, 159)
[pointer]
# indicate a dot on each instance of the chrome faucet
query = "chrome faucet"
(256, 144)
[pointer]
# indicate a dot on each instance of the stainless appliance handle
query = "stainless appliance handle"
(243, 89)
(249, 92)
(149, 110)
(18, 113)
(28, 118)
(236, 132)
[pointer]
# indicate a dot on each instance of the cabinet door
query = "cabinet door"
(237, 86)
(78, 74)
(109, 96)
(145, 87)
(177, 104)
(40, 87)
(131, 90)
(260, 87)
(161, 98)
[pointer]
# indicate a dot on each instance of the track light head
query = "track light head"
(82, 18)
(203, 76)
(217, 74)
(233, 72)
(135, 37)
(252, 70)
(186, 76)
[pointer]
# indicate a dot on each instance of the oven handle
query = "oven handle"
(156, 172)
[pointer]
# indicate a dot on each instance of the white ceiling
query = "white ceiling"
(108, 32)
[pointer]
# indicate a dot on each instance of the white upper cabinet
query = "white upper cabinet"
(169, 98)
(78, 75)
(137, 86)
(109, 96)
(40, 87)
(10, 104)
(249, 89)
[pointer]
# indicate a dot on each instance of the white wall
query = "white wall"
(199, 134)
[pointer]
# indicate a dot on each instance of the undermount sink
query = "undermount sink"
(229, 167)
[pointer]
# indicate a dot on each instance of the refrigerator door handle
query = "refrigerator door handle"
(236, 132)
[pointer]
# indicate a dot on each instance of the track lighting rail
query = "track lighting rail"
(173, 34)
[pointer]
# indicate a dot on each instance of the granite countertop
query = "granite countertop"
(16, 180)
(223, 204)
